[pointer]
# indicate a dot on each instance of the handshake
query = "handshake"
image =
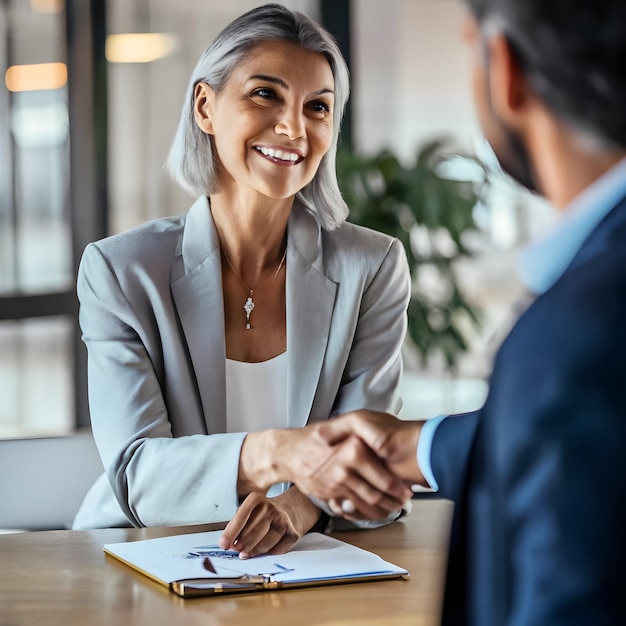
(362, 464)
(359, 466)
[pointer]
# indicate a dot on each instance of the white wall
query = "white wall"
(410, 74)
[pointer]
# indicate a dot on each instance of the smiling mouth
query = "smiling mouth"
(283, 157)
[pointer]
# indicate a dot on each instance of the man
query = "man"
(538, 474)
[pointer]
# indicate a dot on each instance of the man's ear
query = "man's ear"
(508, 87)
(203, 100)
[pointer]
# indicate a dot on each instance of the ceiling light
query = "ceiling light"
(36, 77)
(138, 47)
(49, 7)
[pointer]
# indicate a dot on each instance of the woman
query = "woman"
(212, 335)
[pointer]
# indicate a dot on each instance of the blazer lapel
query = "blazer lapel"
(310, 297)
(199, 301)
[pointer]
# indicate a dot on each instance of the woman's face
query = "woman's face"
(272, 121)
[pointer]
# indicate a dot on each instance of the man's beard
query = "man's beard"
(514, 159)
(511, 153)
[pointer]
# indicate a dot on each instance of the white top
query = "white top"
(256, 398)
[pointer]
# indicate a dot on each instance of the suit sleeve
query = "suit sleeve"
(158, 479)
(451, 452)
(557, 444)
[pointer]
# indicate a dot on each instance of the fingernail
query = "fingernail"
(244, 555)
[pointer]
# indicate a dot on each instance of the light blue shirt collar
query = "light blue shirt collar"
(542, 263)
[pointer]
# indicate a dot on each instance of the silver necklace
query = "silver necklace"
(248, 307)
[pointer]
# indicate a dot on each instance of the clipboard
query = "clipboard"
(203, 587)
(316, 560)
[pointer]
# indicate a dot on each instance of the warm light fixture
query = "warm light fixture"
(138, 47)
(47, 6)
(36, 77)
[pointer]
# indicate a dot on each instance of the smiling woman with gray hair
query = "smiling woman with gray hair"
(192, 159)
(213, 337)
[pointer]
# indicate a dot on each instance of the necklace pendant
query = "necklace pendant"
(248, 307)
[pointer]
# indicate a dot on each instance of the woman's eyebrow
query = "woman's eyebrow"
(284, 85)
(321, 92)
(270, 79)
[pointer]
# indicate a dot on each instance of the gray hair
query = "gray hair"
(192, 162)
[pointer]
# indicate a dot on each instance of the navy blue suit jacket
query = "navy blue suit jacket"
(538, 475)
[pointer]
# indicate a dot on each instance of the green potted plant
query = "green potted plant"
(432, 213)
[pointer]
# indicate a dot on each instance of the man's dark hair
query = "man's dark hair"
(573, 53)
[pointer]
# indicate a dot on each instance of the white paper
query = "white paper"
(314, 557)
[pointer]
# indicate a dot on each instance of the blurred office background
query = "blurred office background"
(89, 102)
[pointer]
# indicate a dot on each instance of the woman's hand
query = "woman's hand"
(393, 440)
(338, 466)
(353, 474)
(265, 525)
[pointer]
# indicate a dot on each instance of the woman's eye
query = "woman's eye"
(320, 107)
(263, 92)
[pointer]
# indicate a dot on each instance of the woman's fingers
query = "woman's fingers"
(260, 526)
(270, 542)
(354, 473)
(393, 440)
(327, 464)
(372, 481)
(230, 535)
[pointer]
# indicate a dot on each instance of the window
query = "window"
(36, 264)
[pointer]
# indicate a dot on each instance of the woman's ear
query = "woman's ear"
(203, 98)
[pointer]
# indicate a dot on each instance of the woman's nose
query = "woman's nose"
(290, 123)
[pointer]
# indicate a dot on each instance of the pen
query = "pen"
(208, 565)
(282, 568)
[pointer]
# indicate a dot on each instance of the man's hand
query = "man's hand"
(345, 468)
(393, 440)
(265, 525)
(336, 459)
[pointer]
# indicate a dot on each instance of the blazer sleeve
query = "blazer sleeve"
(148, 468)
(372, 375)
(371, 378)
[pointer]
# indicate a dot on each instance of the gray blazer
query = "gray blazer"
(152, 317)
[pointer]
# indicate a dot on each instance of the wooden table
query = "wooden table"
(64, 578)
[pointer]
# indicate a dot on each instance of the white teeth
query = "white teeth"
(279, 154)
